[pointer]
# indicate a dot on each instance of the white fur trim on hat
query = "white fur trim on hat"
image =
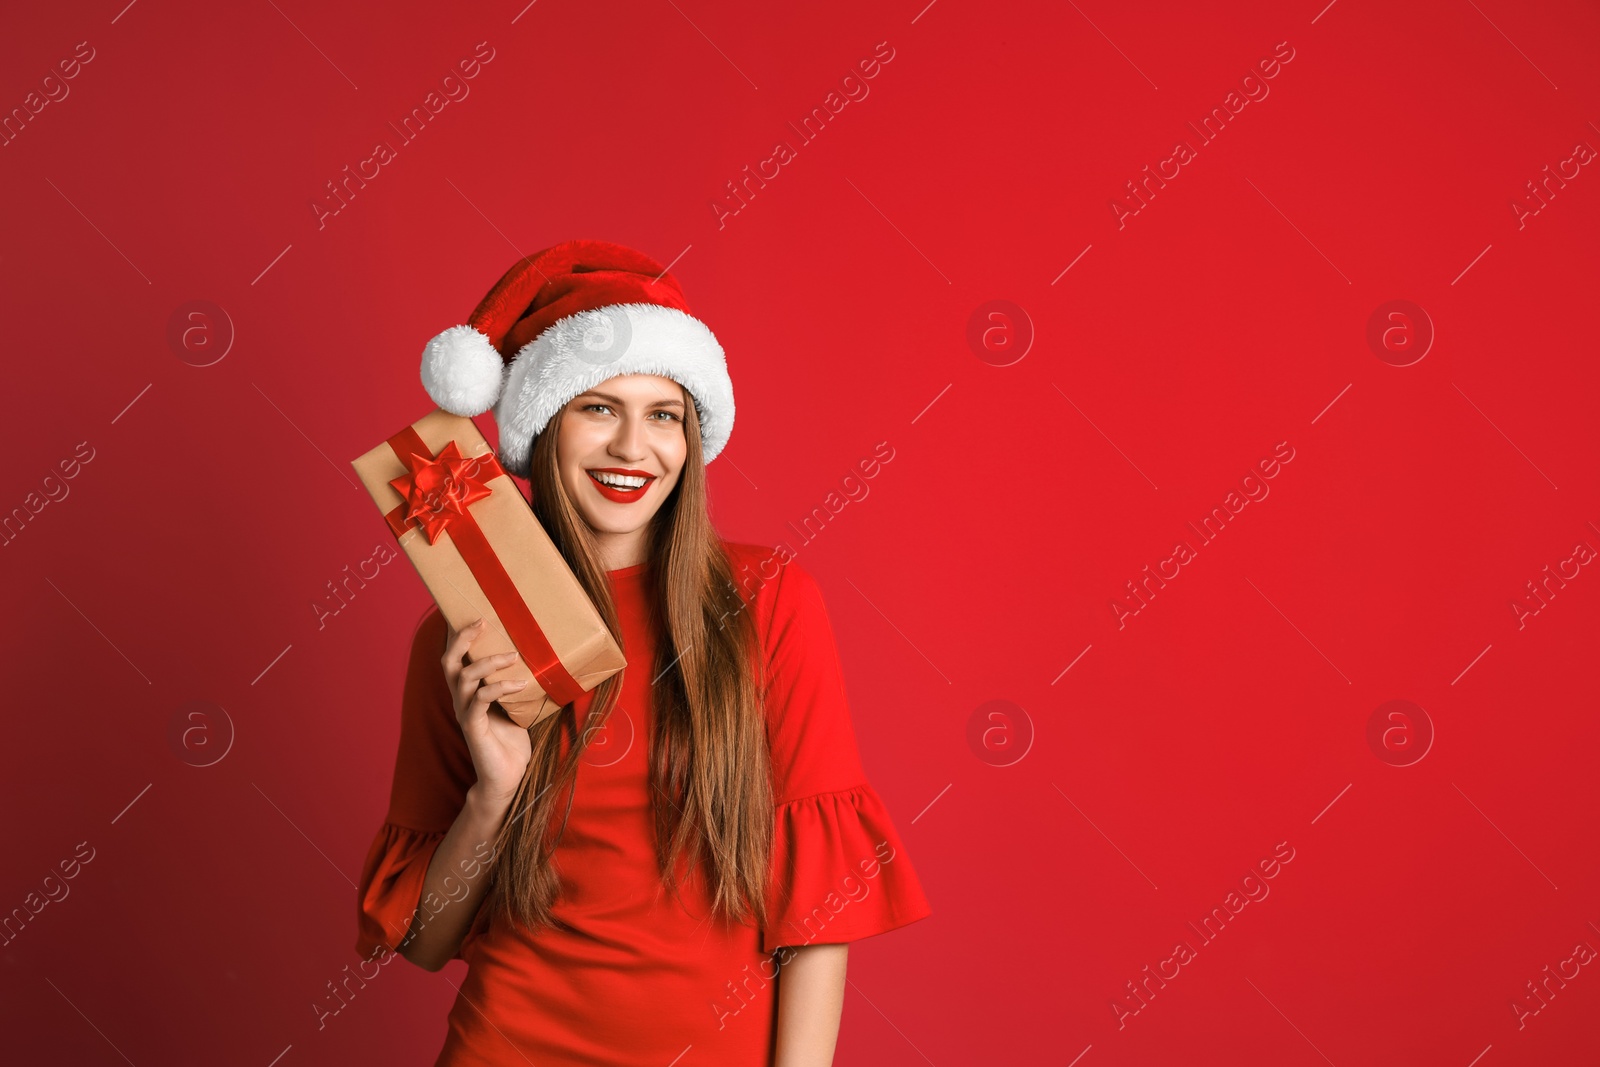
(576, 353)
(462, 371)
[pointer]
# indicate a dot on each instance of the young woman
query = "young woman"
(668, 871)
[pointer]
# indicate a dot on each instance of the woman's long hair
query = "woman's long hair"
(709, 779)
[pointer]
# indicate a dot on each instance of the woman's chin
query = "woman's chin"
(607, 520)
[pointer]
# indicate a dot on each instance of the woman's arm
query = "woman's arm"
(810, 998)
(456, 882)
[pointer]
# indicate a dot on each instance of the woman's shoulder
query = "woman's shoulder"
(429, 632)
(777, 588)
(765, 573)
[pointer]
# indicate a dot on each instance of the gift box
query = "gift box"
(483, 553)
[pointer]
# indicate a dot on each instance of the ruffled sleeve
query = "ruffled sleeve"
(391, 885)
(433, 771)
(840, 872)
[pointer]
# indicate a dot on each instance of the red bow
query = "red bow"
(439, 489)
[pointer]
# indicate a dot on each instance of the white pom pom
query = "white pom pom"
(462, 371)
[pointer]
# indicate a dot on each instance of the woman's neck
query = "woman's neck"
(621, 550)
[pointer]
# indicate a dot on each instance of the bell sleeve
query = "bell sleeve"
(840, 872)
(432, 773)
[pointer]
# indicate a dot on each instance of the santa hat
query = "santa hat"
(562, 321)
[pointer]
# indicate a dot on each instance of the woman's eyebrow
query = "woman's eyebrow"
(619, 402)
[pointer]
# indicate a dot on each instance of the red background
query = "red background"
(1226, 316)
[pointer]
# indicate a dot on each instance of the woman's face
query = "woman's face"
(626, 430)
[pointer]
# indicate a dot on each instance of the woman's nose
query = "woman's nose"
(627, 442)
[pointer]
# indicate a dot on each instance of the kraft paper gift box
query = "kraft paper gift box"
(482, 552)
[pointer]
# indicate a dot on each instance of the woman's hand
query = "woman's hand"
(500, 748)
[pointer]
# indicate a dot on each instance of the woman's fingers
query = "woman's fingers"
(499, 758)
(488, 694)
(457, 647)
(470, 674)
(476, 671)
(475, 704)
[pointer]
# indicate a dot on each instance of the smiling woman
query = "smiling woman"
(625, 445)
(643, 879)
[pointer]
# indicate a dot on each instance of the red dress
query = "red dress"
(640, 978)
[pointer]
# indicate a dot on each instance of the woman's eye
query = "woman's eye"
(607, 408)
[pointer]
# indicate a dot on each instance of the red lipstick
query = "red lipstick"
(618, 495)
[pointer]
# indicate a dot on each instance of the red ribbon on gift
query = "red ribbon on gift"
(438, 491)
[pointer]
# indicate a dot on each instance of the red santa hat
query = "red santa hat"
(562, 321)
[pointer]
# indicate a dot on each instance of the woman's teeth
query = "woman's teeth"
(619, 481)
